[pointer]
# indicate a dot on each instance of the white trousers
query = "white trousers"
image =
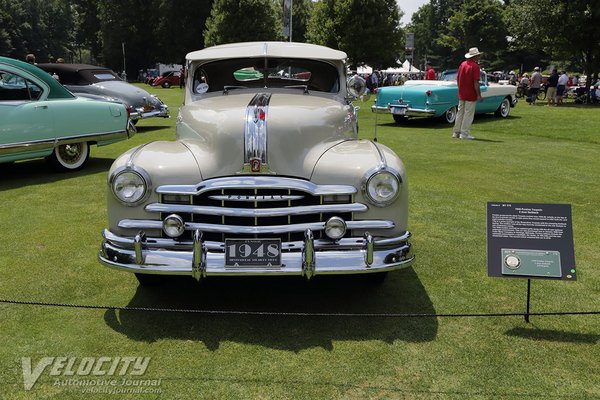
(464, 117)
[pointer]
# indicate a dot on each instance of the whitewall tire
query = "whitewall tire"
(69, 157)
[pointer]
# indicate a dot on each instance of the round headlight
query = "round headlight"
(382, 188)
(129, 186)
(335, 228)
(173, 226)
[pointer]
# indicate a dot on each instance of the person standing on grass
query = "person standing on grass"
(562, 87)
(535, 83)
(469, 93)
(552, 83)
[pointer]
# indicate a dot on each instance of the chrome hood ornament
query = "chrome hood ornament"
(256, 136)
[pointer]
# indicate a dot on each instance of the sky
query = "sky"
(409, 7)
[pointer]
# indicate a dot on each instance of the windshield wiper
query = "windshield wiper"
(228, 87)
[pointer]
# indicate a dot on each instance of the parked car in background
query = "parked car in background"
(439, 99)
(99, 82)
(41, 118)
(167, 79)
(267, 176)
(151, 75)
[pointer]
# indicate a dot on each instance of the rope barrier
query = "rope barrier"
(292, 314)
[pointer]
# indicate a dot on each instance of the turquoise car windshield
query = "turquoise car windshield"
(451, 75)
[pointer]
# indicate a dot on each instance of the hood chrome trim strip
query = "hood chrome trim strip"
(255, 132)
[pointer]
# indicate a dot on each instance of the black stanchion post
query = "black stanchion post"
(528, 300)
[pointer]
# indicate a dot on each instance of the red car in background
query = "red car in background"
(167, 79)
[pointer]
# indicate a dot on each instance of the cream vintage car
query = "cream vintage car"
(267, 176)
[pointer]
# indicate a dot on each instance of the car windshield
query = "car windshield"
(223, 75)
(105, 76)
(450, 75)
(94, 76)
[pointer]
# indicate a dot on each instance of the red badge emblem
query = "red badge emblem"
(255, 164)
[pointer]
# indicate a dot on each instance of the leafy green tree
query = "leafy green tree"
(180, 28)
(566, 29)
(476, 23)
(242, 21)
(124, 24)
(8, 28)
(428, 24)
(446, 29)
(367, 30)
(87, 29)
(44, 28)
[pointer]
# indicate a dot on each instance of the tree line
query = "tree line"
(513, 34)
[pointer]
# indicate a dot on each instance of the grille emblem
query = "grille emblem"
(255, 164)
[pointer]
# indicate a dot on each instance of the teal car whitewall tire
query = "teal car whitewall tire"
(450, 115)
(504, 109)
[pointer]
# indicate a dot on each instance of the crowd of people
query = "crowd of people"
(558, 85)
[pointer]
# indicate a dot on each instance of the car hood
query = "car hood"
(299, 129)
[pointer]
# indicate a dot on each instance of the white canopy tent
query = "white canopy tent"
(405, 68)
(409, 68)
(391, 70)
(364, 69)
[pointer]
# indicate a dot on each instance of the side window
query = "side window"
(14, 87)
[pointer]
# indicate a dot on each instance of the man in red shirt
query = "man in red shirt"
(468, 94)
(430, 75)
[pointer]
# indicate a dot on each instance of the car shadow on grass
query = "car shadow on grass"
(436, 123)
(37, 172)
(401, 293)
(150, 128)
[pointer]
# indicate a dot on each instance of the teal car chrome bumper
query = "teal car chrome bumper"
(403, 110)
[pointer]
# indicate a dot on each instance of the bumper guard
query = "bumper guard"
(306, 258)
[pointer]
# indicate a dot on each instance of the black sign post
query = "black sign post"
(531, 241)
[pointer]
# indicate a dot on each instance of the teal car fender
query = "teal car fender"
(40, 118)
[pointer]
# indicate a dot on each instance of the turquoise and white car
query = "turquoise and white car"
(41, 118)
(439, 99)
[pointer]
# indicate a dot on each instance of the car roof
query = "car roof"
(78, 74)
(70, 67)
(267, 49)
(57, 91)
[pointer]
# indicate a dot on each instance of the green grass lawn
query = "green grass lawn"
(51, 225)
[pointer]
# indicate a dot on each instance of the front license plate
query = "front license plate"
(398, 110)
(253, 253)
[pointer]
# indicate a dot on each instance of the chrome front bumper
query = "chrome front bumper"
(306, 258)
(410, 112)
(163, 112)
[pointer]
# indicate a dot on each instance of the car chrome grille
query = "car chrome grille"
(225, 212)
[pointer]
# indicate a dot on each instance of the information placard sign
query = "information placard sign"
(527, 240)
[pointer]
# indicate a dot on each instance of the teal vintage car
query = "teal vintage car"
(41, 118)
(439, 99)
